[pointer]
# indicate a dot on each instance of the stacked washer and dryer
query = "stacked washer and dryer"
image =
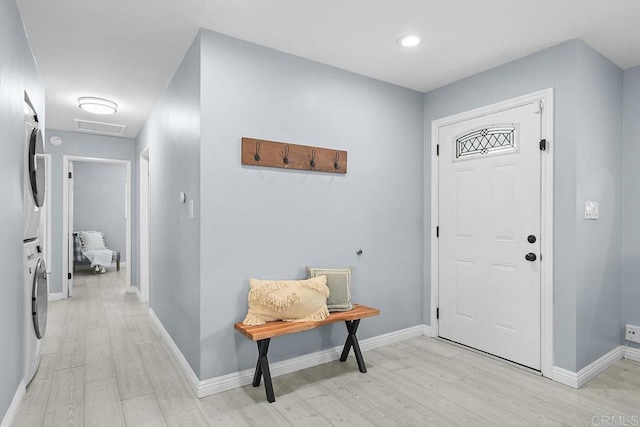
(35, 271)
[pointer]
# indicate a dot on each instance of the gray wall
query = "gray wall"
(631, 256)
(599, 178)
(18, 73)
(85, 145)
(99, 202)
(173, 134)
(266, 223)
(587, 144)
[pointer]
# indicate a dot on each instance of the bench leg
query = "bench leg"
(352, 341)
(262, 370)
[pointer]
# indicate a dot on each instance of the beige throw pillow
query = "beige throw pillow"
(288, 300)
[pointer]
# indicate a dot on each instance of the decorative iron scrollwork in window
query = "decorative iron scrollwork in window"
(486, 140)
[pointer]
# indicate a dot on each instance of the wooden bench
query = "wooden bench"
(263, 334)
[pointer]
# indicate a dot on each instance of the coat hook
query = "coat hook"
(256, 156)
(336, 160)
(313, 159)
(285, 158)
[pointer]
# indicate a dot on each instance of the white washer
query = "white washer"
(35, 309)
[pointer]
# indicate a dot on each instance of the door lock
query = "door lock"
(530, 257)
(531, 238)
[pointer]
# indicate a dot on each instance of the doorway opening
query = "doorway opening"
(123, 198)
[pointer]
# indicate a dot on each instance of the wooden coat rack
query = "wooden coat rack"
(260, 152)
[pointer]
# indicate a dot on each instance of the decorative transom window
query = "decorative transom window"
(486, 140)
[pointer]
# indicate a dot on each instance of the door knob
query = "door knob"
(530, 256)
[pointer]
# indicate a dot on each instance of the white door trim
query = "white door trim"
(143, 213)
(66, 239)
(68, 207)
(46, 242)
(546, 267)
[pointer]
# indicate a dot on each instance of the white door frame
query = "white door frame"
(46, 230)
(70, 205)
(546, 267)
(144, 213)
(67, 238)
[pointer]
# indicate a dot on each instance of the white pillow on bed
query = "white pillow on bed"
(91, 240)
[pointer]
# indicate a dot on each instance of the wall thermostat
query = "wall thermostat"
(55, 140)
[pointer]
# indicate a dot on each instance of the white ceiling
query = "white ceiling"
(127, 50)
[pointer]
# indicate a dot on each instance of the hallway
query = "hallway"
(103, 363)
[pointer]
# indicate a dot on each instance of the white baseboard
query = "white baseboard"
(427, 331)
(632, 354)
(238, 379)
(586, 374)
(565, 376)
(389, 338)
(56, 296)
(188, 372)
(242, 378)
(12, 411)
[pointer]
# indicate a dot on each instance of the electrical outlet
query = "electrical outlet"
(632, 333)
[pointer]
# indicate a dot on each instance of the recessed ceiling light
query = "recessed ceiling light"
(408, 41)
(97, 105)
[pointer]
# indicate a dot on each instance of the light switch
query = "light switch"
(190, 208)
(591, 210)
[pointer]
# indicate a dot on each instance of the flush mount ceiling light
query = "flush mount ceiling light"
(97, 105)
(408, 41)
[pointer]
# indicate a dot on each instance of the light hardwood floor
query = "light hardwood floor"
(103, 364)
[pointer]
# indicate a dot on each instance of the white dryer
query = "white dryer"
(35, 309)
(34, 172)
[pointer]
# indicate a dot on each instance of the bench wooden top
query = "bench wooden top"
(278, 327)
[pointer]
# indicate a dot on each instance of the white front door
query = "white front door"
(489, 233)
